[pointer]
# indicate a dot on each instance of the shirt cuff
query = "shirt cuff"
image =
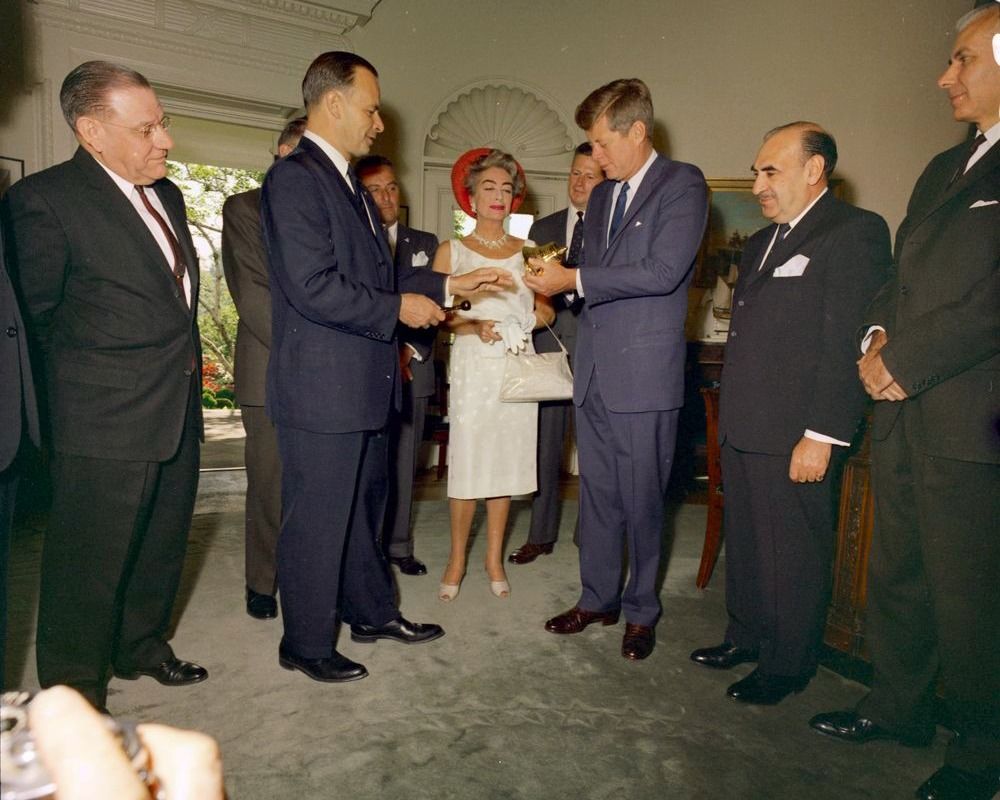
(868, 337)
(579, 285)
(415, 355)
(820, 437)
(449, 298)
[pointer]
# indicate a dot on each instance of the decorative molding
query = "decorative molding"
(223, 107)
(312, 15)
(274, 45)
(497, 114)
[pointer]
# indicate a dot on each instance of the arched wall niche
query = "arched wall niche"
(519, 119)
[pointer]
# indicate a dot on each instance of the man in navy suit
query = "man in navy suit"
(641, 235)
(333, 376)
(790, 406)
(410, 248)
(564, 228)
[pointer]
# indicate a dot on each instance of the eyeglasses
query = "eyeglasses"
(146, 131)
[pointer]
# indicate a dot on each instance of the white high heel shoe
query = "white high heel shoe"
(448, 591)
(500, 588)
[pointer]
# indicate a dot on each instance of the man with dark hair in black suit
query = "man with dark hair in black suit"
(245, 265)
(18, 416)
(789, 406)
(109, 278)
(410, 248)
(932, 364)
(554, 419)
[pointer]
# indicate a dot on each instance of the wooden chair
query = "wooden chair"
(436, 423)
(713, 524)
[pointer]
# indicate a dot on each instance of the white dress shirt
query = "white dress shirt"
(129, 190)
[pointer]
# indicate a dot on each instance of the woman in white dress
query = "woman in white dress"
(492, 445)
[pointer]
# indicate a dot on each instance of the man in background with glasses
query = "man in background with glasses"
(108, 274)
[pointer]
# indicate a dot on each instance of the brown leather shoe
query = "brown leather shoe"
(638, 641)
(528, 552)
(576, 619)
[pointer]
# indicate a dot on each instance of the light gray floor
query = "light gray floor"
(498, 708)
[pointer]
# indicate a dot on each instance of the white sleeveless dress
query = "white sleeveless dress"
(491, 445)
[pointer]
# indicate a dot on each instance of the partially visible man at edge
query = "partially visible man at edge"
(932, 364)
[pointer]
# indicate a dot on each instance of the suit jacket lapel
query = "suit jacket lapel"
(785, 248)
(649, 182)
(121, 209)
(940, 192)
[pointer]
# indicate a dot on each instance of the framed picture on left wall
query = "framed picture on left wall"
(11, 171)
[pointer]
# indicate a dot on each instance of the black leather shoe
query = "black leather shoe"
(849, 726)
(951, 783)
(335, 669)
(760, 689)
(261, 606)
(725, 656)
(408, 565)
(528, 552)
(638, 641)
(172, 672)
(398, 630)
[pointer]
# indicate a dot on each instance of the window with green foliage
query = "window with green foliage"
(205, 189)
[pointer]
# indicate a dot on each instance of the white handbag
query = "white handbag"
(537, 377)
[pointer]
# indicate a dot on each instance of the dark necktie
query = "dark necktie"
(963, 166)
(357, 198)
(178, 266)
(576, 242)
(619, 212)
(783, 229)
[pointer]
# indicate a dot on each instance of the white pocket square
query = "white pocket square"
(983, 203)
(420, 259)
(792, 268)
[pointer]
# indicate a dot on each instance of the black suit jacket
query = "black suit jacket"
(791, 353)
(17, 390)
(245, 265)
(413, 245)
(119, 344)
(553, 229)
(940, 310)
(334, 364)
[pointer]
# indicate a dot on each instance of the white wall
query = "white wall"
(721, 73)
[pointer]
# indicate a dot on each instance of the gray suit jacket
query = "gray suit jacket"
(245, 265)
(635, 289)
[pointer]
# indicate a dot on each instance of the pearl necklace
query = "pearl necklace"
(490, 244)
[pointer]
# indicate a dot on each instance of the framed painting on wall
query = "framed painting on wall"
(11, 171)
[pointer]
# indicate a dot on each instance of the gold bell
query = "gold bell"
(546, 252)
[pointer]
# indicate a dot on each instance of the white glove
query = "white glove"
(514, 336)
